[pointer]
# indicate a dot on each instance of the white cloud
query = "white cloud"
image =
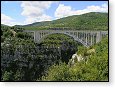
(64, 11)
(35, 10)
(8, 20)
(38, 19)
(5, 18)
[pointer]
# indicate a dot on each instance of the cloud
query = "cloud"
(43, 17)
(35, 11)
(64, 11)
(7, 20)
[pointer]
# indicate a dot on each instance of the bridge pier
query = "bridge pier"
(93, 39)
(77, 34)
(98, 37)
(86, 37)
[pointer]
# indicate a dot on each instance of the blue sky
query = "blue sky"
(17, 12)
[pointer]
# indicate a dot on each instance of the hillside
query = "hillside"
(48, 61)
(94, 69)
(88, 21)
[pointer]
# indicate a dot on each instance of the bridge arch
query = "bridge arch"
(87, 37)
(74, 38)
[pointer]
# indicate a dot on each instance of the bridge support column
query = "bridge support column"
(86, 37)
(34, 36)
(37, 37)
(95, 38)
(83, 36)
(77, 34)
(98, 37)
(91, 38)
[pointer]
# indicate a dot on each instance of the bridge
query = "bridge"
(87, 38)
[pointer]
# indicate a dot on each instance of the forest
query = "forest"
(88, 21)
(24, 60)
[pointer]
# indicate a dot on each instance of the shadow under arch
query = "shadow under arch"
(66, 49)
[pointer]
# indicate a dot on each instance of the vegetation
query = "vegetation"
(24, 60)
(32, 60)
(94, 69)
(88, 21)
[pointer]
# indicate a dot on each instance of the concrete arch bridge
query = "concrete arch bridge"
(86, 37)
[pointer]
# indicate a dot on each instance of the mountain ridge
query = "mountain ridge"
(87, 21)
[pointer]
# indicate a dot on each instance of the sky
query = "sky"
(27, 12)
